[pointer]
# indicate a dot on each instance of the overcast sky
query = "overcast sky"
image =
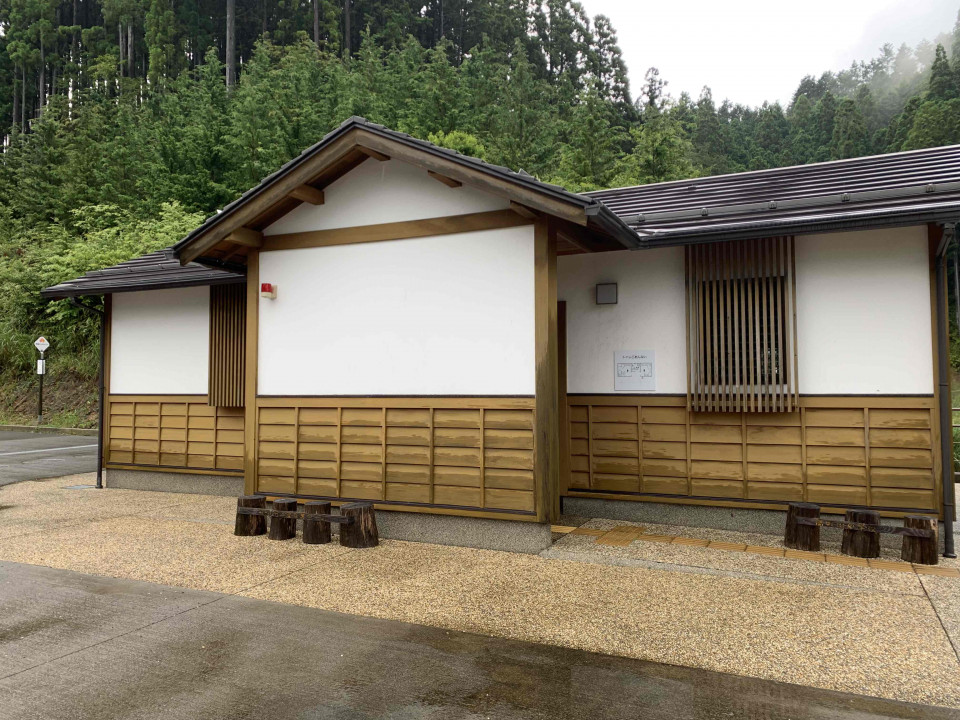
(755, 50)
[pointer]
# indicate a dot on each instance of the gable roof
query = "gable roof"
(355, 140)
(155, 271)
(881, 190)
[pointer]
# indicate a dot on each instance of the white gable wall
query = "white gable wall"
(383, 192)
(445, 315)
(160, 341)
(863, 314)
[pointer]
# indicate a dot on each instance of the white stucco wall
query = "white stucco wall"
(863, 313)
(160, 342)
(649, 315)
(382, 192)
(448, 315)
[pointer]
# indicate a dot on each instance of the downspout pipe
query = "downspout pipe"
(103, 332)
(944, 399)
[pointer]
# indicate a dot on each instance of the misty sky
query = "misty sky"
(755, 50)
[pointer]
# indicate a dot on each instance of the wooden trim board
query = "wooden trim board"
(428, 227)
(250, 373)
(547, 430)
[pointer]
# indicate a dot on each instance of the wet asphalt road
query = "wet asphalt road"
(81, 646)
(34, 456)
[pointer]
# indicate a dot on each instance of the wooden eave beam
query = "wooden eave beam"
(448, 181)
(279, 191)
(370, 152)
(523, 210)
(246, 237)
(308, 194)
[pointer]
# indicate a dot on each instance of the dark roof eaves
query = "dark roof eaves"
(859, 220)
(75, 289)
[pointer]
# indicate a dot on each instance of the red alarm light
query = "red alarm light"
(268, 290)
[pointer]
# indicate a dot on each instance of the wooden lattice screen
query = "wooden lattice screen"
(228, 305)
(741, 321)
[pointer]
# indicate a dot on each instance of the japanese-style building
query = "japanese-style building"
(386, 319)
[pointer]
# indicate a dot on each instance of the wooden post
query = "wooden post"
(921, 550)
(362, 532)
(861, 543)
(316, 531)
(802, 537)
(250, 524)
(283, 528)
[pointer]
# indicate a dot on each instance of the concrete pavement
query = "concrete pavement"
(33, 456)
(82, 646)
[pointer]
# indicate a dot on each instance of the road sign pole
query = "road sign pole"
(40, 398)
(42, 345)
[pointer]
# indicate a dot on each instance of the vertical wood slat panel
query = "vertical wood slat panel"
(227, 345)
(741, 326)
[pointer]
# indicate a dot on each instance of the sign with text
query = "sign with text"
(42, 344)
(634, 371)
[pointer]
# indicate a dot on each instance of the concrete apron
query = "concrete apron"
(484, 534)
(767, 522)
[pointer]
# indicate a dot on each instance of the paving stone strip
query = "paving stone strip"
(623, 535)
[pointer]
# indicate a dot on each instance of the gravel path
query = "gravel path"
(858, 630)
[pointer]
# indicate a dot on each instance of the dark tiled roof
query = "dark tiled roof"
(893, 189)
(155, 271)
(594, 209)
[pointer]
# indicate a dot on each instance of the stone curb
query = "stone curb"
(49, 430)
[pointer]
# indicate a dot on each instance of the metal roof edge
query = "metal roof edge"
(70, 289)
(889, 217)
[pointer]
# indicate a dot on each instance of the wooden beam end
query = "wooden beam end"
(307, 194)
(245, 236)
(523, 210)
(448, 181)
(373, 153)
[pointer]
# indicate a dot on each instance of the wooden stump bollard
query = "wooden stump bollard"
(921, 550)
(861, 543)
(362, 532)
(315, 530)
(283, 528)
(250, 524)
(802, 537)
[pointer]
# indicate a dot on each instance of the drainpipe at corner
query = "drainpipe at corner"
(944, 399)
(100, 382)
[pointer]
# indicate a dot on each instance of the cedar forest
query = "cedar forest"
(126, 122)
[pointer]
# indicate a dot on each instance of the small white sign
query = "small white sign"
(634, 370)
(42, 344)
(41, 367)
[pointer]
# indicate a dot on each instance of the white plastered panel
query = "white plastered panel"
(159, 342)
(446, 315)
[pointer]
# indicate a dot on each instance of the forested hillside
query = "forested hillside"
(125, 122)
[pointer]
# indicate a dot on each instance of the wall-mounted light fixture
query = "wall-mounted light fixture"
(268, 290)
(606, 294)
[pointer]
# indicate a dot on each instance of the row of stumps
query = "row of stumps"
(861, 533)
(358, 521)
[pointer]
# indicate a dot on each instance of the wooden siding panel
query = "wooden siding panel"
(476, 455)
(847, 451)
(178, 433)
